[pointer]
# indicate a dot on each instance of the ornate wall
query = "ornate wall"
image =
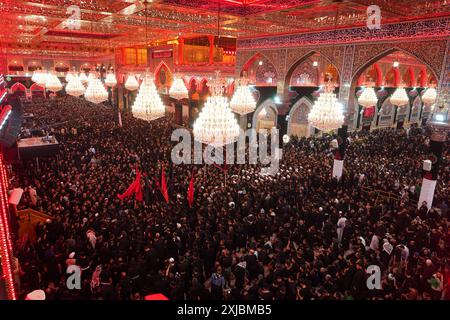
(353, 50)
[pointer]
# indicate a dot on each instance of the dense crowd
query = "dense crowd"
(297, 235)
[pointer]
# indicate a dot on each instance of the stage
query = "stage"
(37, 147)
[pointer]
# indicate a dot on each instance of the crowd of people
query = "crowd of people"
(297, 235)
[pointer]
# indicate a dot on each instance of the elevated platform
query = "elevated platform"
(37, 147)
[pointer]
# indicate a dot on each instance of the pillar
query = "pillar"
(211, 49)
(431, 169)
(180, 50)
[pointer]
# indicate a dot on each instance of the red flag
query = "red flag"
(191, 191)
(164, 191)
(135, 187)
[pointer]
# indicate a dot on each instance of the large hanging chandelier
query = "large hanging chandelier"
(327, 112)
(429, 96)
(243, 101)
(95, 91)
(36, 75)
(83, 78)
(148, 105)
(399, 97)
(216, 124)
(131, 84)
(41, 79)
(53, 84)
(110, 80)
(368, 97)
(70, 75)
(178, 90)
(74, 87)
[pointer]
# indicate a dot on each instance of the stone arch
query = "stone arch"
(256, 56)
(288, 75)
(18, 87)
(363, 66)
(384, 53)
(306, 104)
(269, 104)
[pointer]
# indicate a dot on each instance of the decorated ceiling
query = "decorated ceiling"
(57, 25)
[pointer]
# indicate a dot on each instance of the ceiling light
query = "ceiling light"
(429, 96)
(178, 89)
(216, 124)
(368, 97)
(327, 112)
(399, 97)
(243, 101)
(131, 84)
(148, 105)
(95, 91)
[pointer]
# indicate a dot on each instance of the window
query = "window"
(130, 56)
(142, 56)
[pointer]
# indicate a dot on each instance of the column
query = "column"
(431, 169)
(444, 86)
(345, 87)
(211, 49)
(180, 50)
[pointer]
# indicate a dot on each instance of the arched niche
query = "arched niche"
(260, 70)
(386, 114)
(203, 89)
(268, 121)
(397, 67)
(15, 67)
(298, 124)
(163, 76)
(317, 66)
(416, 110)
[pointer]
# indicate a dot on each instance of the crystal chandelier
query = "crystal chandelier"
(110, 80)
(243, 101)
(131, 84)
(74, 87)
(178, 89)
(368, 97)
(95, 91)
(91, 76)
(327, 112)
(148, 105)
(36, 75)
(216, 124)
(83, 78)
(70, 75)
(429, 96)
(41, 79)
(53, 84)
(399, 97)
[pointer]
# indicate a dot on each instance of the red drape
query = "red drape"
(191, 191)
